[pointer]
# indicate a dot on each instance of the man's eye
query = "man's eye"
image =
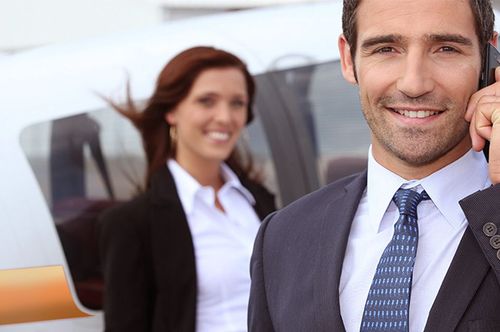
(385, 49)
(447, 49)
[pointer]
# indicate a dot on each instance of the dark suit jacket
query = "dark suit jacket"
(299, 251)
(148, 259)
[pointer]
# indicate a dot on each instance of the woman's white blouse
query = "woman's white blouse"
(223, 245)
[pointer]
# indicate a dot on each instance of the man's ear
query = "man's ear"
(494, 39)
(346, 60)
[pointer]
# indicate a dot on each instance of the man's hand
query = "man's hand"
(483, 113)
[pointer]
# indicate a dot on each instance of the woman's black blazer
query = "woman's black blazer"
(147, 257)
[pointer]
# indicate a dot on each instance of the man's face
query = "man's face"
(417, 63)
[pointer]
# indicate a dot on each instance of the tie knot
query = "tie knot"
(407, 200)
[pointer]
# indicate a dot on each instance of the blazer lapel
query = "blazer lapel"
(170, 236)
(332, 241)
(467, 270)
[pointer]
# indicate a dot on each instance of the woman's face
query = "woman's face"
(211, 117)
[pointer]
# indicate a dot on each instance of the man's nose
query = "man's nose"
(416, 76)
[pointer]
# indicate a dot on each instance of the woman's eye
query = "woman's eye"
(238, 104)
(206, 101)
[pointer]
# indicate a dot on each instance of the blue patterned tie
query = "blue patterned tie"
(388, 303)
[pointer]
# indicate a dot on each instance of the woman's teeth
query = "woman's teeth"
(217, 135)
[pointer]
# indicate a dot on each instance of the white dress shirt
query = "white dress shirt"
(223, 243)
(441, 224)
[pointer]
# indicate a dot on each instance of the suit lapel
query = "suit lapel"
(467, 270)
(335, 230)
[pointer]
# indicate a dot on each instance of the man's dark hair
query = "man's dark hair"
(482, 10)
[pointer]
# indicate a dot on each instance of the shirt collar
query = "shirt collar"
(456, 181)
(188, 188)
(381, 186)
(446, 187)
(232, 181)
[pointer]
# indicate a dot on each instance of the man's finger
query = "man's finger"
(482, 122)
(475, 99)
(497, 74)
(495, 147)
(477, 141)
(491, 90)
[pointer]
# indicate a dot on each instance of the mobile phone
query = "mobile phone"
(491, 61)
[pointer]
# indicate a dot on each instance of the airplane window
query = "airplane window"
(85, 164)
(329, 109)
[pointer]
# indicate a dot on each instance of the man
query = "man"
(334, 260)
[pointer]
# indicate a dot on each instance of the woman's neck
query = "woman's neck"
(206, 173)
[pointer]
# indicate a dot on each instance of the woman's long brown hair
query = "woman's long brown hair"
(172, 86)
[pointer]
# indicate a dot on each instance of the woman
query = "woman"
(176, 257)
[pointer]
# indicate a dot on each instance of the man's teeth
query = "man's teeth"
(416, 114)
(217, 135)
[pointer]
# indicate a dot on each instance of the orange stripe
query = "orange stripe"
(35, 294)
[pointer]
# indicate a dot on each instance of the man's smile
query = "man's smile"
(415, 113)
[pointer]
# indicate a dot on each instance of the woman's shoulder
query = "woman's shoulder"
(125, 216)
(265, 200)
(255, 187)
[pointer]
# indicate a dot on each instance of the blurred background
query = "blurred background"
(31, 23)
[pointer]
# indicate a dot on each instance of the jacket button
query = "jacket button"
(489, 229)
(495, 241)
(498, 254)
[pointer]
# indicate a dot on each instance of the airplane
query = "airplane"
(68, 156)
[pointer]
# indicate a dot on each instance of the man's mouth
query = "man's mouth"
(416, 114)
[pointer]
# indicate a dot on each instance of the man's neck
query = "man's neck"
(411, 171)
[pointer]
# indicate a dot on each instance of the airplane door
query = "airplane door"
(314, 125)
